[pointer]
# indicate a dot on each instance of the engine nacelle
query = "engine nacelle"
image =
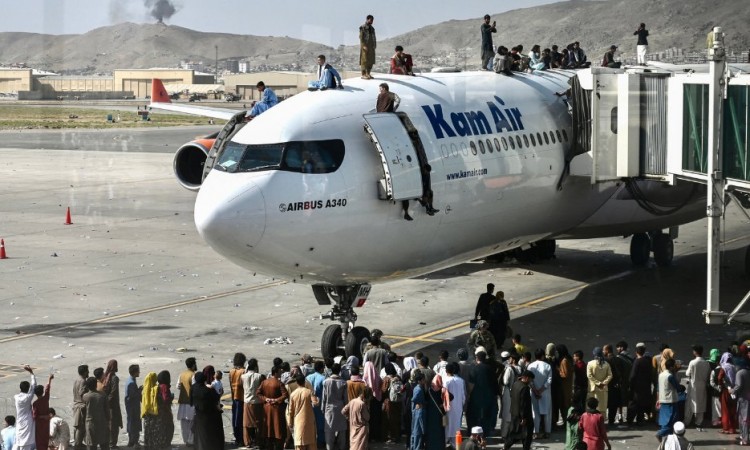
(189, 161)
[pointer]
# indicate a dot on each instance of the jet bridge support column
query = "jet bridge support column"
(715, 178)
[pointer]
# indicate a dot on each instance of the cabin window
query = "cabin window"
(565, 135)
(518, 141)
(546, 139)
(559, 138)
(489, 145)
(301, 156)
(539, 137)
(505, 143)
(473, 147)
(497, 145)
(533, 141)
(512, 142)
(526, 140)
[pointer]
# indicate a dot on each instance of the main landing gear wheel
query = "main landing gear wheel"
(332, 342)
(356, 341)
(663, 248)
(640, 249)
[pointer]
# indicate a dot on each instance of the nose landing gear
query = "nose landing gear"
(343, 338)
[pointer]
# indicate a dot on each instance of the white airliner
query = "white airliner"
(312, 189)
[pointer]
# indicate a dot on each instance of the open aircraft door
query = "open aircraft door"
(401, 167)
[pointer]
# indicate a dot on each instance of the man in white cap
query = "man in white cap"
(676, 441)
(476, 442)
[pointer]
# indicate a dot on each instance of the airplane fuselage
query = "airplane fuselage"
(495, 145)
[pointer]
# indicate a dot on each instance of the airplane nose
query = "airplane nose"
(230, 214)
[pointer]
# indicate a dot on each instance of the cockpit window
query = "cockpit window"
(297, 156)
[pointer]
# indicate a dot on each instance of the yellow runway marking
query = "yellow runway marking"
(527, 304)
(407, 337)
(145, 311)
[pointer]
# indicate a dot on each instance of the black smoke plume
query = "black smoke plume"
(160, 9)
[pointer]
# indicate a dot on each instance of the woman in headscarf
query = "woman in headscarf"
(437, 404)
(156, 410)
(725, 382)
(573, 433)
(410, 364)
(565, 371)
(599, 374)
(714, 405)
(666, 354)
(208, 427)
(550, 355)
(392, 405)
(111, 388)
(372, 379)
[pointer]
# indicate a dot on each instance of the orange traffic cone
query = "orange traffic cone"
(67, 217)
(459, 439)
(2, 249)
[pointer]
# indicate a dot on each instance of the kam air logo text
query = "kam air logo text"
(466, 174)
(473, 123)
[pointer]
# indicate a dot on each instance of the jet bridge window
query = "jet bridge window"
(301, 156)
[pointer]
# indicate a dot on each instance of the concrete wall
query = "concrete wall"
(15, 80)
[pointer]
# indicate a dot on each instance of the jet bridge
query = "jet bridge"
(672, 124)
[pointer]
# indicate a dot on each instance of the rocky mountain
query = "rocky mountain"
(129, 45)
(596, 24)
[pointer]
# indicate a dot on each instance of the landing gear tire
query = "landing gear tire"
(640, 249)
(356, 341)
(663, 247)
(526, 256)
(331, 344)
(546, 249)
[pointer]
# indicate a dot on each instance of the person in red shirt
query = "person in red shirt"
(40, 413)
(592, 425)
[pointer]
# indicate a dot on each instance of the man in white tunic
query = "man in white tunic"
(25, 437)
(457, 387)
(541, 395)
(698, 374)
(511, 372)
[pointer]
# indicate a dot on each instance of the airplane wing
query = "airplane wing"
(160, 100)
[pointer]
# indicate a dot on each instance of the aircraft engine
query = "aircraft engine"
(189, 161)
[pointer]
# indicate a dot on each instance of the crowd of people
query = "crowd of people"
(504, 391)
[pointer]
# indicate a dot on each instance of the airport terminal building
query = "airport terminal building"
(29, 84)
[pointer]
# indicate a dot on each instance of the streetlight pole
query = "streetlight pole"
(216, 67)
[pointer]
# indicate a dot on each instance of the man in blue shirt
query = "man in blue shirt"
(267, 100)
(417, 411)
(9, 433)
(328, 77)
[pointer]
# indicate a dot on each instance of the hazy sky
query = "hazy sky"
(331, 22)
